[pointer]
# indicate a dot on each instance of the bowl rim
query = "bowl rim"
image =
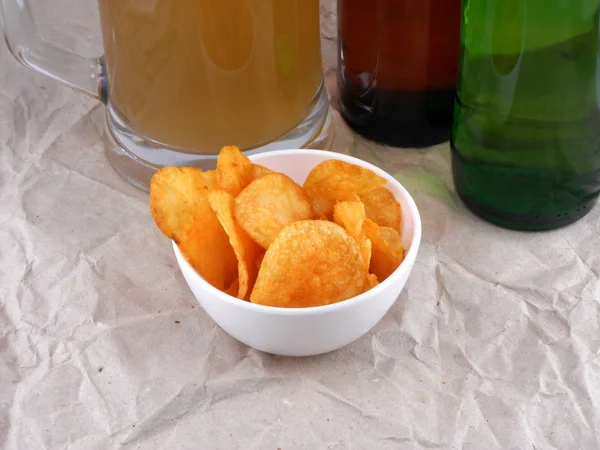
(278, 310)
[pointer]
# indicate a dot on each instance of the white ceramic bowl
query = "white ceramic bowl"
(321, 329)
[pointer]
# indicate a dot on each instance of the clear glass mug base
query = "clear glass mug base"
(137, 159)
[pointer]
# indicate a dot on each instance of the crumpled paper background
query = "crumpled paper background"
(494, 344)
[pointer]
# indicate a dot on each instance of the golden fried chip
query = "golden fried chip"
(260, 171)
(234, 170)
(170, 205)
(382, 207)
(323, 208)
(269, 204)
(246, 250)
(350, 216)
(259, 259)
(393, 239)
(337, 180)
(372, 281)
(179, 206)
(233, 290)
(387, 252)
(310, 263)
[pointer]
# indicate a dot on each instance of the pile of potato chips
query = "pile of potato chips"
(257, 235)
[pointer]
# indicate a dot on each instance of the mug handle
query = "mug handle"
(87, 75)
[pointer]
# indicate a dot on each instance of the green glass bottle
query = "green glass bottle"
(526, 135)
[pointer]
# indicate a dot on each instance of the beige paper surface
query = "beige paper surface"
(494, 344)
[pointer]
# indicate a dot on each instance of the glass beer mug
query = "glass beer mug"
(180, 79)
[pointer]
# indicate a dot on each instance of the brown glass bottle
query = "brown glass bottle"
(397, 68)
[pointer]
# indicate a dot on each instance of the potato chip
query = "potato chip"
(323, 209)
(246, 250)
(372, 281)
(310, 263)
(233, 290)
(269, 204)
(259, 171)
(382, 207)
(234, 170)
(259, 260)
(393, 239)
(337, 180)
(180, 207)
(170, 207)
(351, 216)
(387, 252)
